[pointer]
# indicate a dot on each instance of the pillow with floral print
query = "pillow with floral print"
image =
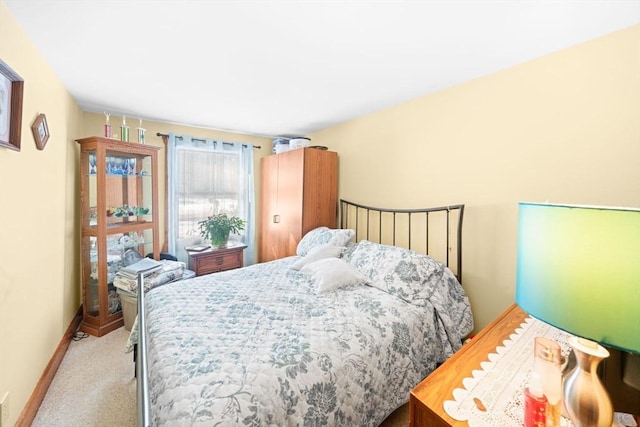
(324, 236)
(401, 272)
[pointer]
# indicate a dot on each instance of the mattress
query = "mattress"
(259, 346)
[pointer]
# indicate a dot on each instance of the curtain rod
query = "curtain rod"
(204, 140)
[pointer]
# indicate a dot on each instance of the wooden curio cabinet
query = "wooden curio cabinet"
(119, 213)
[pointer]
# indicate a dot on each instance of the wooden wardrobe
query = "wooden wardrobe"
(298, 192)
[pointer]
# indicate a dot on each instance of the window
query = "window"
(208, 185)
(208, 177)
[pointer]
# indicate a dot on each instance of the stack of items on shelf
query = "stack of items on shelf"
(144, 265)
(299, 142)
(280, 145)
(156, 273)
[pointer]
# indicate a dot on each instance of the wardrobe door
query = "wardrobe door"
(268, 193)
(290, 197)
(320, 199)
(281, 183)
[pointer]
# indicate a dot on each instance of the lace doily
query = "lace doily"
(503, 378)
(500, 383)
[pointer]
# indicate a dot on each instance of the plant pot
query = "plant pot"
(219, 237)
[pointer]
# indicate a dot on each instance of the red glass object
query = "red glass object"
(535, 407)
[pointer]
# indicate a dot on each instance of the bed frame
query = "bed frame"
(140, 357)
(433, 231)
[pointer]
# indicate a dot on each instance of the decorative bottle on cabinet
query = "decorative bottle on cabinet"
(298, 192)
(119, 213)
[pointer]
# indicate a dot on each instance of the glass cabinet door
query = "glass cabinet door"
(122, 249)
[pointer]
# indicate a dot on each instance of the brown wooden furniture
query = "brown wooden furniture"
(119, 206)
(214, 260)
(298, 193)
(426, 399)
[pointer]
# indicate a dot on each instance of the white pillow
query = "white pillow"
(316, 253)
(324, 236)
(332, 273)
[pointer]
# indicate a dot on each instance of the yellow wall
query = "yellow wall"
(38, 235)
(562, 128)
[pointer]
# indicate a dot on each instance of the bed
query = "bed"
(336, 335)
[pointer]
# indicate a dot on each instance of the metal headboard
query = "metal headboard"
(433, 231)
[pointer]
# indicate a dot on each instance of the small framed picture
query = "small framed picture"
(40, 131)
(11, 88)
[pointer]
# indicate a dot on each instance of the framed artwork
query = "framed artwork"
(40, 130)
(11, 88)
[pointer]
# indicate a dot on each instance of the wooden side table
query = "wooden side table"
(426, 399)
(215, 260)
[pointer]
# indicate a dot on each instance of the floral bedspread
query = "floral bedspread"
(256, 346)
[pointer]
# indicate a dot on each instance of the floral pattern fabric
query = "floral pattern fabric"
(417, 279)
(324, 236)
(256, 346)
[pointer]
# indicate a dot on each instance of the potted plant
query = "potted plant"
(218, 227)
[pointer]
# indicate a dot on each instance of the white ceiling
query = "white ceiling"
(292, 67)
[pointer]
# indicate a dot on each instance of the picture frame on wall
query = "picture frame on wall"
(11, 91)
(40, 130)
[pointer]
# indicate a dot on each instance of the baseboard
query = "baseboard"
(30, 410)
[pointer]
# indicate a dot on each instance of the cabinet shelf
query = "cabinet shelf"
(123, 227)
(121, 175)
(116, 178)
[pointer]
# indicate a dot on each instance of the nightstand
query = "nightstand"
(218, 259)
(426, 399)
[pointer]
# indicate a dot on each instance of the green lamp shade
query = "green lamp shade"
(578, 269)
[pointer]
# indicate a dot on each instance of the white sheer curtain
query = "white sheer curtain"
(207, 177)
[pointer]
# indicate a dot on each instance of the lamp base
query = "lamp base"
(585, 398)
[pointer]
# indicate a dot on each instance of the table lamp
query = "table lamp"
(578, 269)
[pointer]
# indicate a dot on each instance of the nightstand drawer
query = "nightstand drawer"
(215, 260)
(219, 262)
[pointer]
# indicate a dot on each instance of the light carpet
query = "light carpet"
(95, 387)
